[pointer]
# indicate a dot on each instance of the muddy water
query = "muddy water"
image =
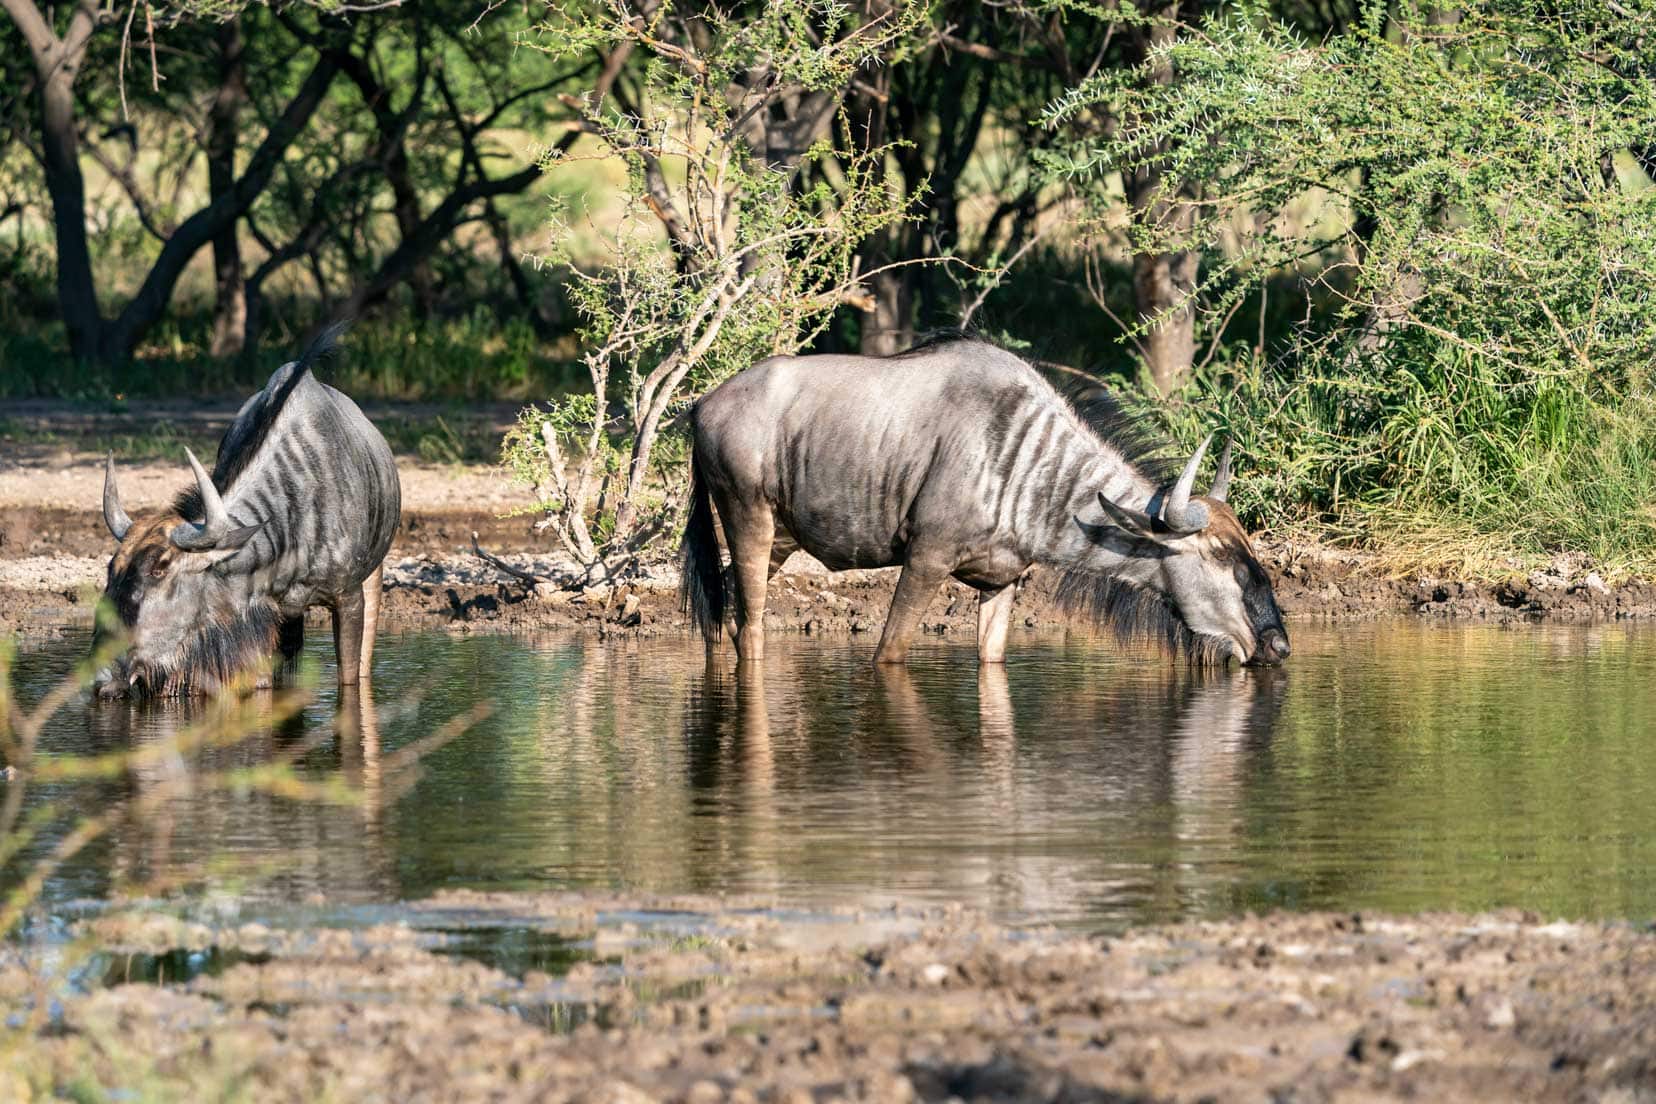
(1391, 766)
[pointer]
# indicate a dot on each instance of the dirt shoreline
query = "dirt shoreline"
(52, 561)
(53, 548)
(882, 1006)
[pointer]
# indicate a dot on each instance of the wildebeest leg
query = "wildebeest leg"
(994, 618)
(290, 638)
(347, 629)
(915, 588)
(782, 546)
(749, 530)
(290, 641)
(370, 621)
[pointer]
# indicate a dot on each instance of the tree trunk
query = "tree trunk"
(886, 329)
(146, 307)
(889, 327)
(1163, 282)
(230, 308)
(58, 62)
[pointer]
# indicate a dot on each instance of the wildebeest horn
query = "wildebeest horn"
(1179, 513)
(216, 530)
(114, 516)
(1221, 476)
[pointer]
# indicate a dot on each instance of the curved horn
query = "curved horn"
(216, 521)
(114, 516)
(1179, 513)
(1221, 477)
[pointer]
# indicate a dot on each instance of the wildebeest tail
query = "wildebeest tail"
(701, 586)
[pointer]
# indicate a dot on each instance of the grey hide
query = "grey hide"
(960, 460)
(299, 511)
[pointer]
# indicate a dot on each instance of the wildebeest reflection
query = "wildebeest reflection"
(904, 777)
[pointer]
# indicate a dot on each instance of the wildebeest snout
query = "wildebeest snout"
(1272, 647)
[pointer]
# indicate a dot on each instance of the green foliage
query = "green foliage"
(734, 242)
(387, 357)
(1479, 247)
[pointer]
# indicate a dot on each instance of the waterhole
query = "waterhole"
(1395, 766)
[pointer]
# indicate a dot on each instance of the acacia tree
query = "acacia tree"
(1478, 256)
(726, 250)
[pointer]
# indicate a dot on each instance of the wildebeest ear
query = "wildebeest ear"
(1124, 541)
(1131, 520)
(187, 537)
(235, 538)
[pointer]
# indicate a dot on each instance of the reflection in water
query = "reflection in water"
(1389, 766)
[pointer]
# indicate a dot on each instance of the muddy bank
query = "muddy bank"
(52, 563)
(53, 548)
(732, 1004)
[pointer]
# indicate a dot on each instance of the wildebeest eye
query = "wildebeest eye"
(157, 568)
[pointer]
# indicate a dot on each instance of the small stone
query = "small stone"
(935, 974)
(1409, 1059)
(1501, 1016)
(1595, 582)
(704, 1092)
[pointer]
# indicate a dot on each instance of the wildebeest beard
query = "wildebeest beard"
(222, 649)
(1137, 615)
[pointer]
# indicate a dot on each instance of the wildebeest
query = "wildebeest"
(959, 459)
(299, 511)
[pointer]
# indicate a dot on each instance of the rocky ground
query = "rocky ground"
(740, 1004)
(53, 548)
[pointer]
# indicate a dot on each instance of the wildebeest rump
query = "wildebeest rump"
(299, 510)
(960, 459)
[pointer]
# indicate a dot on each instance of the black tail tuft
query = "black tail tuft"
(701, 587)
(325, 346)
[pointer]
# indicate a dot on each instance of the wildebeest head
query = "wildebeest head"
(1195, 580)
(186, 626)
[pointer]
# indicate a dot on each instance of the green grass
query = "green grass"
(1439, 462)
(475, 357)
(156, 440)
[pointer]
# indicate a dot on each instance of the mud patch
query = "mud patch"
(432, 583)
(744, 1005)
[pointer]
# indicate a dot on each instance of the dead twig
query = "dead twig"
(499, 564)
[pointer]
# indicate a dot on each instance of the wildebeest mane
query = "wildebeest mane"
(242, 441)
(937, 339)
(1127, 430)
(1135, 615)
(220, 651)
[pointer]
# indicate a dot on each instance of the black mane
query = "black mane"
(1127, 430)
(1124, 426)
(241, 442)
(222, 650)
(1135, 615)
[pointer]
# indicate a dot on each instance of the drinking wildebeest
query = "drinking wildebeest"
(299, 511)
(959, 459)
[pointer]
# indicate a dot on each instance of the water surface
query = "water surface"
(1395, 766)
